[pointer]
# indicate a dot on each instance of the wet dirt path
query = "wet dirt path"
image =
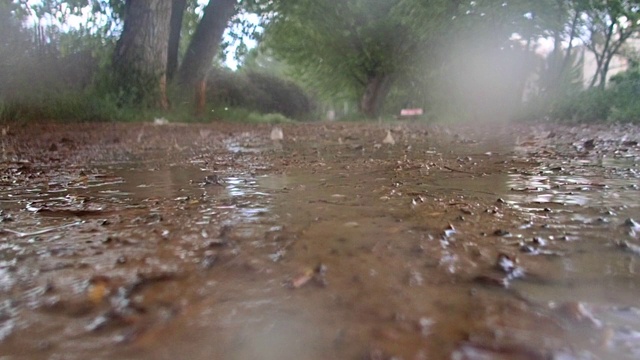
(212, 241)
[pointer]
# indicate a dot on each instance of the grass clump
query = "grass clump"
(248, 116)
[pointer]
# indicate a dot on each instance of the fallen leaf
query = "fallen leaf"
(389, 139)
(277, 134)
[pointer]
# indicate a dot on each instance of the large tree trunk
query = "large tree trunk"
(375, 92)
(177, 14)
(206, 41)
(204, 47)
(140, 58)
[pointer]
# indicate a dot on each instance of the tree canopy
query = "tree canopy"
(376, 54)
(353, 49)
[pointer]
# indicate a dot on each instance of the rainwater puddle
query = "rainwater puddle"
(579, 211)
(74, 249)
(245, 143)
(578, 246)
(352, 255)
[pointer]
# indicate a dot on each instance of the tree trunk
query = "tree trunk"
(596, 75)
(140, 57)
(554, 60)
(205, 42)
(608, 57)
(603, 73)
(566, 63)
(375, 93)
(601, 57)
(177, 14)
(200, 96)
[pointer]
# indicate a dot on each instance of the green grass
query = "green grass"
(247, 116)
(86, 108)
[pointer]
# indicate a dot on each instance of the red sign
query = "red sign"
(410, 112)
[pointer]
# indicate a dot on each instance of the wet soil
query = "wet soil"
(341, 241)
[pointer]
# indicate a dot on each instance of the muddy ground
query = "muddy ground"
(342, 241)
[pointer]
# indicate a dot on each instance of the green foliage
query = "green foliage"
(337, 46)
(592, 105)
(38, 80)
(69, 107)
(262, 60)
(583, 106)
(434, 54)
(99, 17)
(455, 59)
(608, 26)
(625, 89)
(192, 15)
(16, 47)
(258, 92)
(618, 103)
(238, 114)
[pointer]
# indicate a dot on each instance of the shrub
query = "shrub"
(625, 92)
(71, 106)
(258, 92)
(590, 105)
(283, 96)
(616, 103)
(245, 115)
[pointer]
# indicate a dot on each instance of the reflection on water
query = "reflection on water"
(578, 208)
(179, 220)
(584, 204)
(242, 193)
(572, 190)
(245, 143)
(224, 250)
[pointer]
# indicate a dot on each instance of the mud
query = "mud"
(348, 241)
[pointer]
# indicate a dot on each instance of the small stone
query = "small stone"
(539, 241)
(389, 139)
(528, 249)
(277, 134)
(506, 263)
(208, 261)
(629, 222)
(501, 232)
(589, 144)
(214, 180)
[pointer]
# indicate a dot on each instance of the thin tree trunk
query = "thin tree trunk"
(200, 96)
(608, 57)
(140, 57)
(567, 56)
(375, 93)
(525, 65)
(600, 58)
(596, 76)
(177, 14)
(603, 73)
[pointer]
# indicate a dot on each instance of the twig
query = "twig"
(456, 170)
(40, 232)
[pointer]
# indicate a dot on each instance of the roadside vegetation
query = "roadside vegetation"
(92, 60)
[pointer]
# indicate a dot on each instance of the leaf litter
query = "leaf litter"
(133, 238)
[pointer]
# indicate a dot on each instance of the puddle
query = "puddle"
(164, 221)
(332, 245)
